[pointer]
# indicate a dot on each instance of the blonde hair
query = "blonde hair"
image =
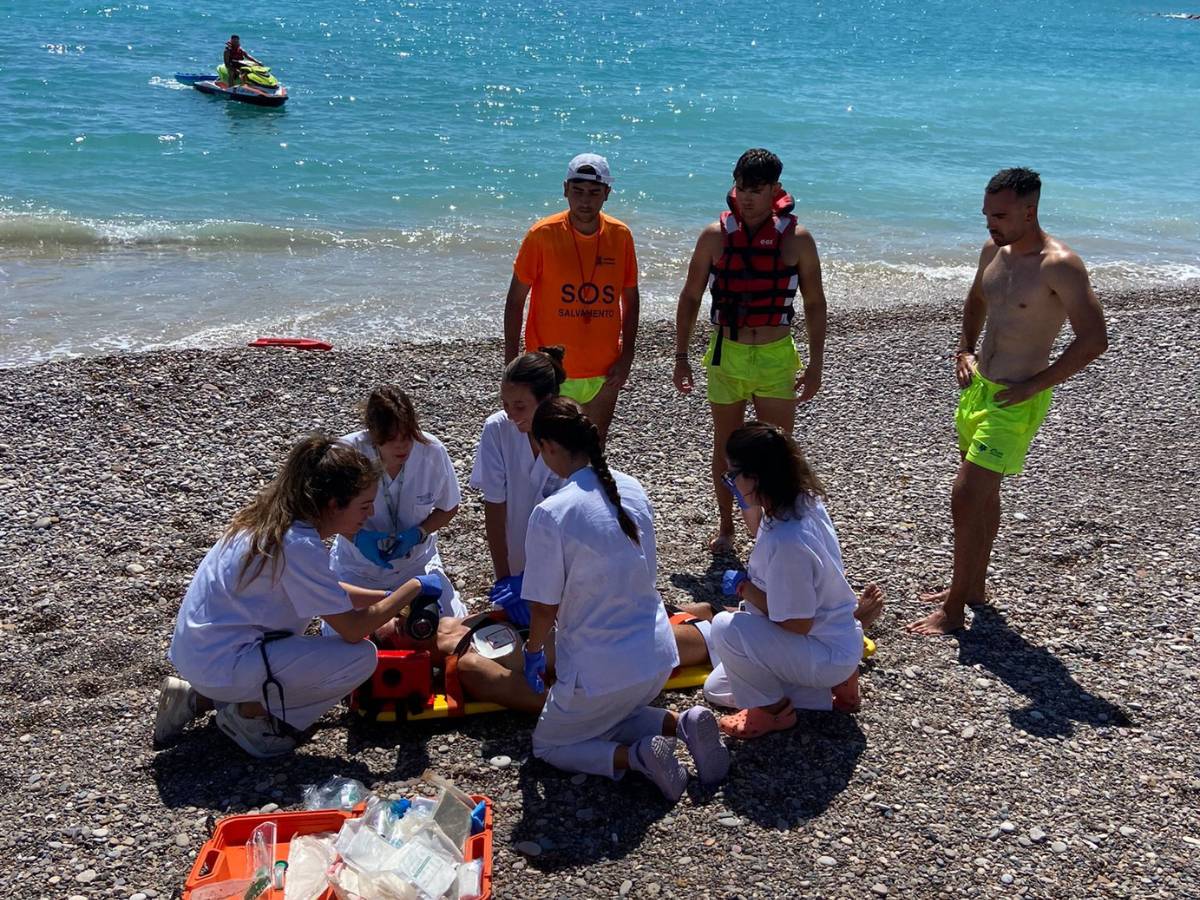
(318, 470)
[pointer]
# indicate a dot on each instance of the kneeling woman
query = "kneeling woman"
(590, 570)
(240, 641)
(417, 494)
(511, 473)
(796, 641)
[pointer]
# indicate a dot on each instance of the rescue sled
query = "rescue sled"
(402, 688)
(294, 343)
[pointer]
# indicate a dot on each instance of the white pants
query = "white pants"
(579, 733)
(314, 672)
(705, 629)
(761, 663)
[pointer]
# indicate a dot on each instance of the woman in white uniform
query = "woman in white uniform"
(795, 642)
(417, 494)
(511, 473)
(590, 574)
(240, 641)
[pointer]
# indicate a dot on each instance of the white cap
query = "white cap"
(598, 163)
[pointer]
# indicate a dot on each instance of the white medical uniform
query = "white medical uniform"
(798, 564)
(506, 471)
(427, 482)
(614, 647)
(224, 617)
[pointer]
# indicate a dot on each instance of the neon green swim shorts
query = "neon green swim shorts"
(752, 370)
(582, 390)
(997, 437)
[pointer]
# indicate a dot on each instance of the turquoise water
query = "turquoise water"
(386, 200)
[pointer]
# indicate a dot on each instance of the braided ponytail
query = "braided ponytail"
(561, 420)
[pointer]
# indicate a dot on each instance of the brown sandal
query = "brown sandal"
(748, 724)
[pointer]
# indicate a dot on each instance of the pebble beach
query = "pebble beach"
(1049, 751)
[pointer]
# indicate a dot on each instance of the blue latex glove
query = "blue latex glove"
(405, 542)
(367, 543)
(737, 495)
(732, 580)
(479, 817)
(535, 668)
(506, 594)
(431, 585)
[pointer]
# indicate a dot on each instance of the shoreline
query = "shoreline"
(655, 315)
(1044, 751)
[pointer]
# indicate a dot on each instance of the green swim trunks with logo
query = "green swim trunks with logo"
(997, 437)
(752, 370)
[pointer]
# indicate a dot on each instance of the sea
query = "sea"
(385, 202)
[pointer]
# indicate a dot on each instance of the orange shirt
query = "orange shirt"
(576, 282)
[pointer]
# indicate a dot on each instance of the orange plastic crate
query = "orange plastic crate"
(223, 856)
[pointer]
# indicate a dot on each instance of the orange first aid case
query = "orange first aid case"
(223, 857)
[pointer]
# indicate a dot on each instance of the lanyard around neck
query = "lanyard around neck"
(393, 506)
(591, 279)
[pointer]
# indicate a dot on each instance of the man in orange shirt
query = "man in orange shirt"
(582, 271)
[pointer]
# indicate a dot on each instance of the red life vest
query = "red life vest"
(751, 285)
(233, 56)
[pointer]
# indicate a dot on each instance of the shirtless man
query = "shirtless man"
(753, 260)
(502, 681)
(1027, 285)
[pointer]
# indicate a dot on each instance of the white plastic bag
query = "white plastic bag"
(309, 855)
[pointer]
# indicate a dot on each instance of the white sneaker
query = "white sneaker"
(253, 735)
(176, 707)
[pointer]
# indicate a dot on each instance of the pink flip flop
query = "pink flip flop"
(748, 724)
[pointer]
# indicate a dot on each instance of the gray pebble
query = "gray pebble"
(968, 732)
(879, 889)
(500, 762)
(1006, 878)
(1037, 835)
(625, 888)
(1058, 847)
(529, 848)
(827, 860)
(135, 569)
(729, 821)
(87, 876)
(1007, 827)
(1127, 831)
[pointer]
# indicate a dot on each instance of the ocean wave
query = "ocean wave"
(35, 234)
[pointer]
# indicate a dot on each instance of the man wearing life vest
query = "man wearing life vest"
(235, 57)
(579, 269)
(753, 261)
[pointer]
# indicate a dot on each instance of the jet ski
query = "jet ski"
(258, 88)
